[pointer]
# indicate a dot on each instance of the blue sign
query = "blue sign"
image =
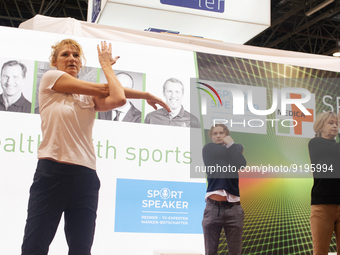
(205, 5)
(144, 206)
(95, 9)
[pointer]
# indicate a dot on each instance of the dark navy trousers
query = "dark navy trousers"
(61, 188)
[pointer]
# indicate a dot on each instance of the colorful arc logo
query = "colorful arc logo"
(212, 89)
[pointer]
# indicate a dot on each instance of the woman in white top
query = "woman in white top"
(65, 180)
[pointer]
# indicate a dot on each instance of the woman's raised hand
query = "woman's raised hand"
(105, 54)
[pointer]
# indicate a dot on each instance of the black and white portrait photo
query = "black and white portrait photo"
(16, 85)
(173, 92)
(131, 111)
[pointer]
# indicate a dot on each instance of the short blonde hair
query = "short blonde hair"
(57, 46)
(225, 129)
(321, 120)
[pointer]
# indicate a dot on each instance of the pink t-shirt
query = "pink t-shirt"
(66, 124)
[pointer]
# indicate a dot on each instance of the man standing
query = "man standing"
(173, 91)
(13, 75)
(127, 112)
(223, 158)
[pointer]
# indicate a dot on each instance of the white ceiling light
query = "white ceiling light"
(336, 54)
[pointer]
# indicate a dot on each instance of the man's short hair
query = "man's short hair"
(15, 63)
(173, 80)
(125, 73)
(225, 129)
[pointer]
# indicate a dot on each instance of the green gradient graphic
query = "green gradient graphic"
(277, 211)
(277, 215)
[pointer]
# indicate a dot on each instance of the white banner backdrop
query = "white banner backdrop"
(125, 152)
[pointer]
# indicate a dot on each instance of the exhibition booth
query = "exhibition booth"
(151, 200)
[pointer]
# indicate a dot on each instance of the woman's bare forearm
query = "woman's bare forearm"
(69, 84)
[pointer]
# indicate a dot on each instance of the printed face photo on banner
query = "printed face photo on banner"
(86, 73)
(16, 85)
(132, 110)
(176, 93)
